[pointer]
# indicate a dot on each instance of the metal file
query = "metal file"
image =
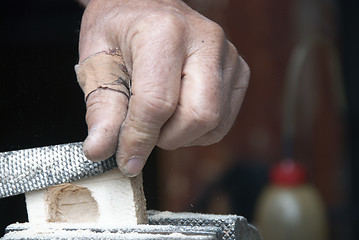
(37, 168)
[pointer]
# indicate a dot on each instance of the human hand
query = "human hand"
(188, 81)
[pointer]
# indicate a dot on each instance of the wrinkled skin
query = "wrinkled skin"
(188, 81)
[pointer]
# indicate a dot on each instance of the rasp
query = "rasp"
(36, 168)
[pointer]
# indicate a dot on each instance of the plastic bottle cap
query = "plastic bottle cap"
(288, 173)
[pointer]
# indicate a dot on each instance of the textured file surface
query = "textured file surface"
(36, 168)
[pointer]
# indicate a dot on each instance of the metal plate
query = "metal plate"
(162, 225)
(90, 231)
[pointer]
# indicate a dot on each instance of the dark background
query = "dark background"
(40, 100)
(42, 104)
(350, 52)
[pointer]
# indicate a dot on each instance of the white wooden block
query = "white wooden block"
(107, 199)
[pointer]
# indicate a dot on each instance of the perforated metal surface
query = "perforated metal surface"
(232, 226)
(36, 168)
(87, 231)
(162, 225)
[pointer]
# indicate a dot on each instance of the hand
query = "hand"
(188, 81)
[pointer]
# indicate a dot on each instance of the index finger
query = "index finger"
(156, 78)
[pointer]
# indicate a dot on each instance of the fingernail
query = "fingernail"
(134, 166)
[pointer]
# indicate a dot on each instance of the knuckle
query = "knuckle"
(167, 145)
(238, 68)
(245, 73)
(236, 58)
(215, 30)
(162, 26)
(214, 138)
(158, 106)
(207, 118)
(233, 53)
(168, 22)
(162, 33)
(211, 138)
(245, 68)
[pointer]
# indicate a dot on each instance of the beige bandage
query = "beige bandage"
(104, 70)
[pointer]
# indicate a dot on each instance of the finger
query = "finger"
(236, 74)
(201, 102)
(156, 74)
(199, 107)
(106, 110)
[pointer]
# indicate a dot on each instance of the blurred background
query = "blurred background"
(302, 102)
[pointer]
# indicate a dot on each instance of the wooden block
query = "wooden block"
(107, 199)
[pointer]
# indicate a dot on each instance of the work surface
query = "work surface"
(162, 225)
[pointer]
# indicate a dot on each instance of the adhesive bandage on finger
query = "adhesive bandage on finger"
(104, 70)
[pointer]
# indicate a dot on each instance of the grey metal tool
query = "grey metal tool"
(162, 225)
(36, 168)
